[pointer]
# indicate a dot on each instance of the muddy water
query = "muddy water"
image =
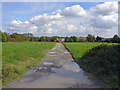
(57, 70)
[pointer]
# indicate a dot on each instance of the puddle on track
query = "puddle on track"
(53, 52)
(47, 63)
(66, 76)
(66, 52)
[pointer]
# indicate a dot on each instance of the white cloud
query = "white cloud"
(33, 29)
(18, 26)
(45, 19)
(99, 20)
(16, 22)
(49, 31)
(73, 11)
(108, 21)
(106, 8)
(71, 28)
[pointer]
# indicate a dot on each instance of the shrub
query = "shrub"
(103, 61)
(56, 40)
(2, 37)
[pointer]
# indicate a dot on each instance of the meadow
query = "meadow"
(100, 59)
(19, 57)
(79, 49)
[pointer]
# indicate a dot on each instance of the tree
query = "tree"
(8, 37)
(90, 38)
(31, 39)
(54, 38)
(18, 37)
(67, 39)
(115, 39)
(98, 39)
(82, 39)
(108, 40)
(2, 37)
(35, 38)
(41, 38)
(47, 39)
(71, 40)
(75, 39)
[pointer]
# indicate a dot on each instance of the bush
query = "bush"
(56, 40)
(2, 37)
(115, 39)
(103, 61)
(90, 38)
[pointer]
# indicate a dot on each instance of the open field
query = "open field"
(18, 57)
(79, 49)
(99, 59)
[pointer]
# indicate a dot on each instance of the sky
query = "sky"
(61, 18)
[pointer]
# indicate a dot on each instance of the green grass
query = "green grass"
(79, 49)
(99, 59)
(18, 57)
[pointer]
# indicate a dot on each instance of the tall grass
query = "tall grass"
(18, 57)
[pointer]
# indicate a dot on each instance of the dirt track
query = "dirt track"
(57, 70)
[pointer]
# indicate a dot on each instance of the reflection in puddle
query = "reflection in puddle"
(72, 70)
(66, 52)
(66, 76)
(53, 52)
(69, 75)
(72, 66)
(47, 63)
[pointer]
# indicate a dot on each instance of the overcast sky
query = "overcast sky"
(61, 18)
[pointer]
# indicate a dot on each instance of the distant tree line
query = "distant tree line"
(92, 38)
(5, 37)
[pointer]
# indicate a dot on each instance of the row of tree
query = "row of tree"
(92, 38)
(4, 37)
(115, 39)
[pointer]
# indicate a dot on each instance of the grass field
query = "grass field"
(79, 49)
(18, 57)
(100, 59)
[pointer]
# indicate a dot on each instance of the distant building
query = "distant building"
(28, 34)
(61, 39)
